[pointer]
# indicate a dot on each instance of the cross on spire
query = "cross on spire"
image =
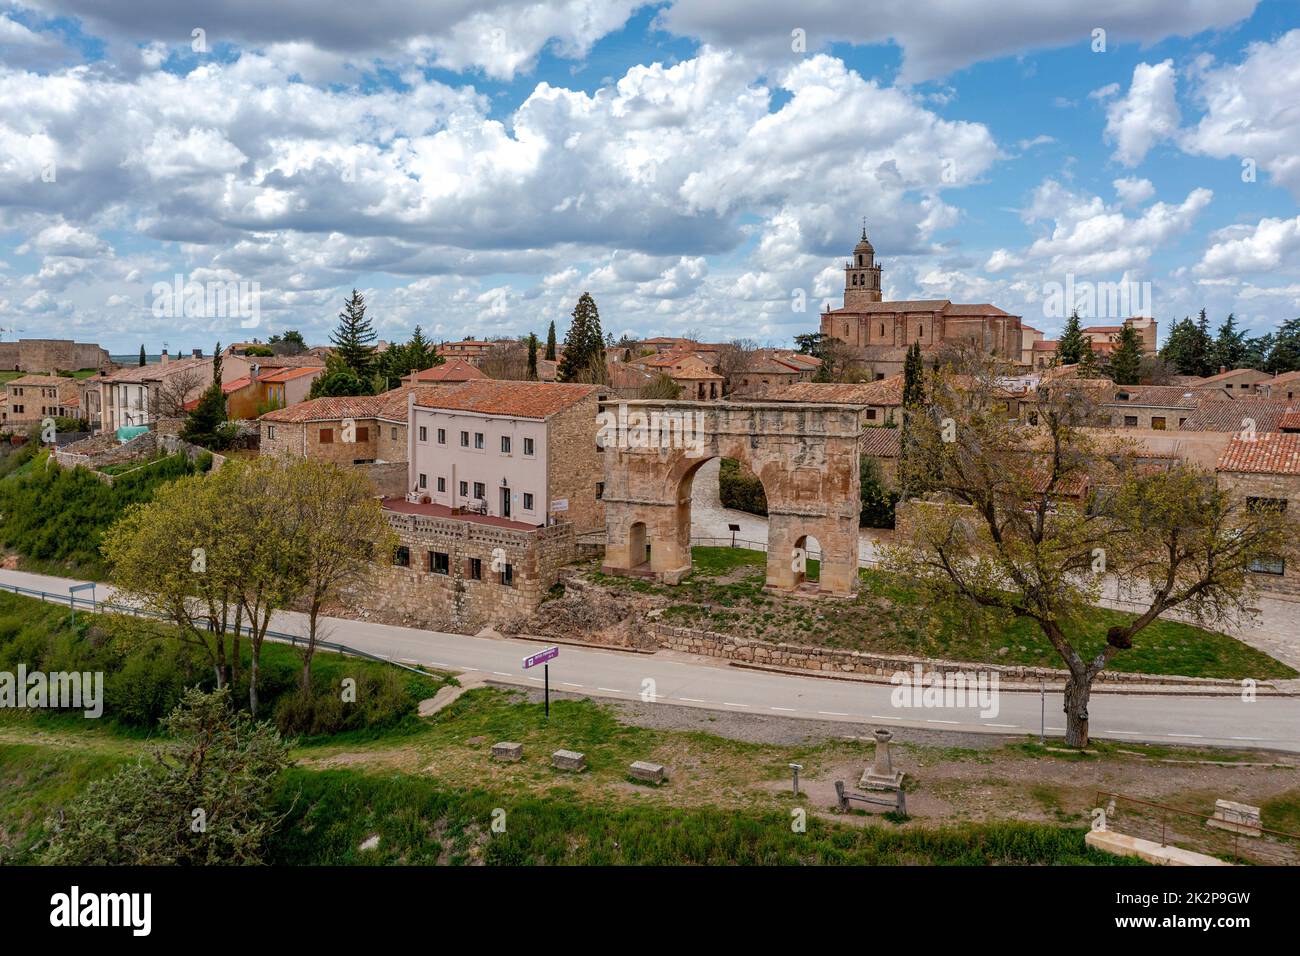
(864, 227)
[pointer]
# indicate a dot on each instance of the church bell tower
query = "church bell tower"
(861, 275)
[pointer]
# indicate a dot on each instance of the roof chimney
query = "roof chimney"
(1222, 369)
(197, 353)
(253, 370)
(164, 358)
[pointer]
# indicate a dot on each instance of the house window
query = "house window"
(442, 436)
(508, 575)
(464, 489)
(439, 563)
(505, 444)
(464, 439)
(424, 481)
(270, 432)
(402, 556)
(363, 433)
(1158, 423)
(528, 501)
(392, 433)
(480, 491)
(442, 484)
(528, 446)
(478, 440)
(424, 433)
(1181, 421)
(327, 436)
(1268, 566)
(1257, 506)
(600, 490)
(871, 414)
(1130, 421)
(475, 570)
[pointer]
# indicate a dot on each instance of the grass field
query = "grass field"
(724, 593)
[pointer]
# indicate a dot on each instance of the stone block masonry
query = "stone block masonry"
(569, 760)
(508, 751)
(461, 574)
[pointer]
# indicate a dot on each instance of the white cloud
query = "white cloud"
(1146, 115)
(1250, 111)
(1264, 247)
(1133, 191)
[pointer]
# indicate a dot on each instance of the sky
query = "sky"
(700, 166)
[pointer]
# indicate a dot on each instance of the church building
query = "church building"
(880, 332)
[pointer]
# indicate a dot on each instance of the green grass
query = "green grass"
(331, 812)
(724, 592)
(1282, 812)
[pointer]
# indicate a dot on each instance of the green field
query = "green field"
(724, 593)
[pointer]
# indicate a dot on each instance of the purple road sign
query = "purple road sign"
(541, 657)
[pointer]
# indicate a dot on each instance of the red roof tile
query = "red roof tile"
(1266, 454)
(515, 399)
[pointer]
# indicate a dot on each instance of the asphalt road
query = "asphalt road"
(1272, 723)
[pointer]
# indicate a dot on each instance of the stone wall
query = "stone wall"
(456, 601)
(388, 477)
(289, 440)
(51, 355)
(1287, 488)
(836, 660)
(103, 451)
(576, 465)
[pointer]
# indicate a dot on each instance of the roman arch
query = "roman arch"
(805, 454)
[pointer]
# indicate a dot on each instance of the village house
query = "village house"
(1238, 381)
(1247, 414)
(882, 399)
(524, 451)
(1264, 470)
(1283, 388)
(451, 372)
(471, 350)
(692, 373)
(32, 398)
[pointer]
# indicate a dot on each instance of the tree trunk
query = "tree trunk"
(252, 682)
(1078, 688)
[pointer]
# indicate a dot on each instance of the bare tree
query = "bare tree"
(1030, 521)
(662, 387)
(735, 358)
(167, 397)
(507, 361)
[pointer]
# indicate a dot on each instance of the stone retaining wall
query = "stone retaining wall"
(836, 660)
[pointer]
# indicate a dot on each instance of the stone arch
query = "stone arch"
(805, 455)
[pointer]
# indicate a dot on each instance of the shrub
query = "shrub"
(740, 488)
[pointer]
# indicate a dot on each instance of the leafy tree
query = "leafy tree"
(206, 425)
(1259, 348)
(878, 501)
(219, 764)
(913, 399)
(1069, 348)
(290, 342)
(353, 338)
(532, 357)
(142, 358)
(1022, 532)
(1284, 356)
(339, 380)
(1088, 366)
(1126, 360)
(340, 531)
(584, 343)
(661, 388)
(1204, 346)
(259, 351)
(550, 343)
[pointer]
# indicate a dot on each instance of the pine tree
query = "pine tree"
(1069, 350)
(532, 357)
(420, 352)
(204, 425)
(352, 340)
(913, 374)
(142, 358)
(1230, 344)
(1179, 351)
(1126, 360)
(1204, 347)
(584, 345)
(550, 343)
(1088, 366)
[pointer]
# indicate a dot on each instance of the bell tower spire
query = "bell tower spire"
(861, 274)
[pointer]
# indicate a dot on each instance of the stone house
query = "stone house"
(470, 350)
(1244, 414)
(882, 399)
(450, 372)
(1264, 469)
(524, 451)
(459, 572)
(33, 398)
(1238, 381)
(1282, 388)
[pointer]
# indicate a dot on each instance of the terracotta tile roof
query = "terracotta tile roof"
(1286, 378)
(1223, 376)
(151, 373)
(1272, 454)
(771, 365)
(1045, 345)
(333, 408)
(1229, 416)
(1156, 396)
(1289, 422)
(1104, 328)
(880, 442)
(980, 308)
(280, 375)
(456, 370)
(885, 392)
(910, 305)
(514, 399)
(625, 375)
(44, 380)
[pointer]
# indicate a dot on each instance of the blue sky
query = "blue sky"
(473, 167)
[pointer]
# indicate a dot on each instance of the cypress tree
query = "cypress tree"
(203, 425)
(142, 358)
(532, 357)
(584, 345)
(550, 343)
